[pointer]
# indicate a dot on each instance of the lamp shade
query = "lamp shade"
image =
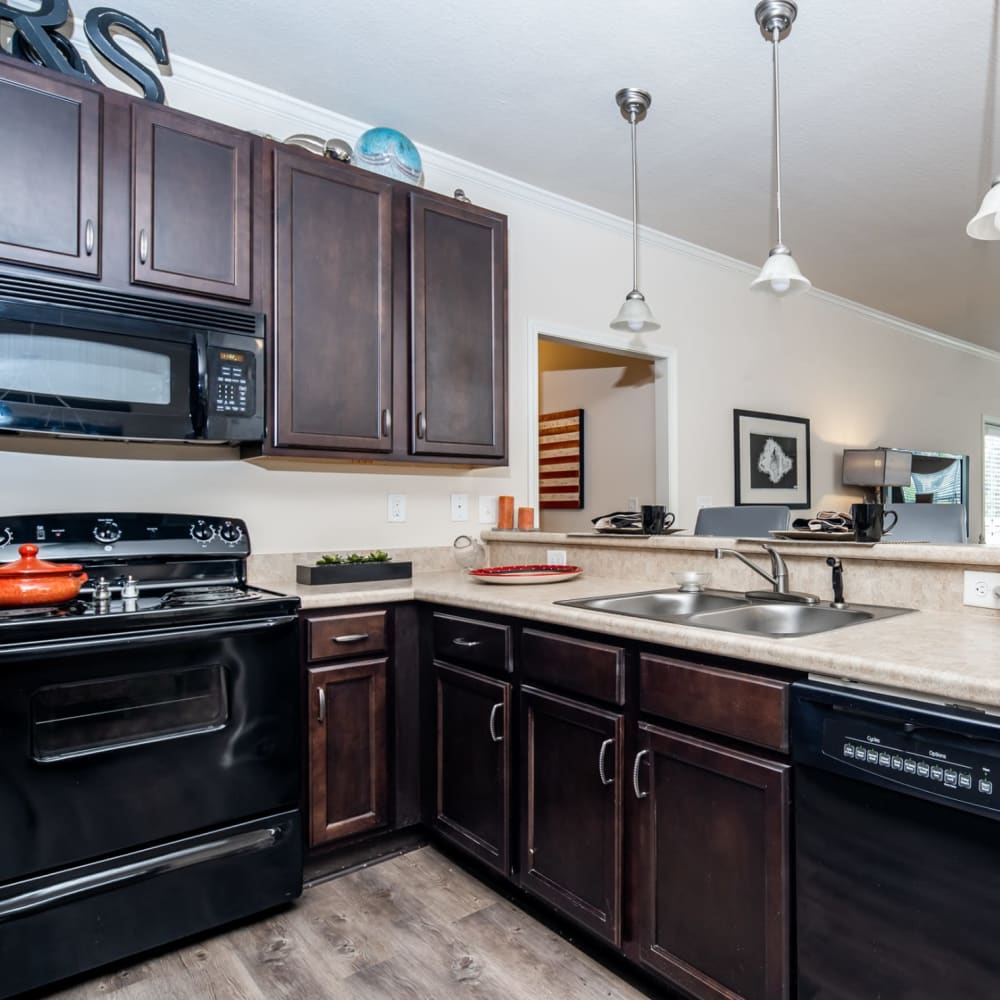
(635, 315)
(983, 225)
(780, 274)
(876, 467)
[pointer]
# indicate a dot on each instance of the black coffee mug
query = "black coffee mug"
(655, 519)
(869, 521)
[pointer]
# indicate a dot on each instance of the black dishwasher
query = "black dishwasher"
(897, 847)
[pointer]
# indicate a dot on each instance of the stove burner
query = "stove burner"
(43, 611)
(191, 597)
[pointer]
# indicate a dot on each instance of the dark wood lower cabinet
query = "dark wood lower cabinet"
(571, 808)
(472, 801)
(712, 871)
(348, 779)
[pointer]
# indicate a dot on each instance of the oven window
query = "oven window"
(83, 369)
(70, 720)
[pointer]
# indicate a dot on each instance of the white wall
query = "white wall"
(617, 397)
(862, 379)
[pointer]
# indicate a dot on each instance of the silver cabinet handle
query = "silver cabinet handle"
(493, 723)
(358, 637)
(386, 422)
(605, 780)
(143, 246)
(421, 425)
(635, 774)
(321, 715)
(89, 237)
(467, 643)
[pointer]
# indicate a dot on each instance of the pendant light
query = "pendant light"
(780, 274)
(985, 224)
(634, 314)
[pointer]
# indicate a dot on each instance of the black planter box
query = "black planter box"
(353, 573)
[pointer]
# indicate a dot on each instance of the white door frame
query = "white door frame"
(665, 399)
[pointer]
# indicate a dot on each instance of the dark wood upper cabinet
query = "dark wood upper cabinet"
(333, 308)
(192, 204)
(348, 776)
(458, 264)
(472, 737)
(712, 871)
(51, 174)
(571, 808)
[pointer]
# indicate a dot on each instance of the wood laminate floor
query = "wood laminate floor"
(414, 927)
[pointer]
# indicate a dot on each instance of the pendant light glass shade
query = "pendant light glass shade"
(985, 224)
(634, 315)
(780, 275)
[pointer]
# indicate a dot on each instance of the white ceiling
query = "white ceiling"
(888, 111)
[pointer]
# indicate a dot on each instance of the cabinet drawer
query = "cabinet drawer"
(346, 635)
(475, 643)
(592, 669)
(754, 709)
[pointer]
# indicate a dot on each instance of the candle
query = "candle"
(505, 513)
(525, 518)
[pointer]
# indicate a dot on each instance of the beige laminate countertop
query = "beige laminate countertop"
(951, 655)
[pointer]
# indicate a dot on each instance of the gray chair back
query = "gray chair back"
(928, 522)
(742, 522)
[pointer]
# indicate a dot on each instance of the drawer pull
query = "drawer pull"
(421, 425)
(635, 774)
(357, 637)
(321, 714)
(493, 723)
(143, 246)
(467, 643)
(89, 237)
(386, 423)
(605, 780)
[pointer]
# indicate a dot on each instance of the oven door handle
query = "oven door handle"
(159, 864)
(137, 640)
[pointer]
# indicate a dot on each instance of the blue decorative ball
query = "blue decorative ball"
(386, 151)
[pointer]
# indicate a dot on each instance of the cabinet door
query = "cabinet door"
(571, 812)
(192, 197)
(713, 869)
(348, 781)
(473, 764)
(333, 309)
(458, 259)
(51, 172)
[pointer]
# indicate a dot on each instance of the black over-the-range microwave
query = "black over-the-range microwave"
(86, 362)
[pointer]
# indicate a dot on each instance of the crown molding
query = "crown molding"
(192, 85)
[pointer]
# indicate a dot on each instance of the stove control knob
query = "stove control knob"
(230, 533)
(6, 537)
(202, 531)
(107, 532)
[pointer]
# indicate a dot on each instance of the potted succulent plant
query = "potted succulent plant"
(354, 568)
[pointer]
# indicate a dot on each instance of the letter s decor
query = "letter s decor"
(35, 38)
(98, 24)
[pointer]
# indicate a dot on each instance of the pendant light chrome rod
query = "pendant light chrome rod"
(635, 206)
(775, 38)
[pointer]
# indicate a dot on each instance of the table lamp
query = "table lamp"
(875, 468)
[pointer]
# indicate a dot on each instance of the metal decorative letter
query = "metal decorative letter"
(35, 39)
(98, 24)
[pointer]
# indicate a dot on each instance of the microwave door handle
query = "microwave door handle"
(199, 390)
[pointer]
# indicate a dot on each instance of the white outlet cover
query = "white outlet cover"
(555, 557)
(979, 589)
(460, 506)
(395, 507)
(487, 510)
(632, 503)
(703, 502)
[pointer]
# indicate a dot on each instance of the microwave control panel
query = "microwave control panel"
(232, 380)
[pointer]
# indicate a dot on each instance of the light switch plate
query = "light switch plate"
(703, 502)
(555, 557)
(487, 510)
(981, 589)
(632, 504)
(460, 506)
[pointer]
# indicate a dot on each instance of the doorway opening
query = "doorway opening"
(624, 452)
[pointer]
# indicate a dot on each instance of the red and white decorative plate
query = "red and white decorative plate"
(525, 574)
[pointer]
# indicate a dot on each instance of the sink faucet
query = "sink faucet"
(838, 582)
(778, 578)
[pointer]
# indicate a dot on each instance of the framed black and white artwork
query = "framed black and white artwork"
(772, 459)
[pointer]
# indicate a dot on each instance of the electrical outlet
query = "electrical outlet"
(395, 507)
(460, 506)
(555, 557)
(703, 502)
(487, 510)
(632, 504)
(981, 590)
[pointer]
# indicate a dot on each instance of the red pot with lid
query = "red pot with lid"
(30, 581)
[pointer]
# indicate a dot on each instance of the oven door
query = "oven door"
(81, 373)
(116, 741)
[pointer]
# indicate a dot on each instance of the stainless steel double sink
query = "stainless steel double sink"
(726, 611)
